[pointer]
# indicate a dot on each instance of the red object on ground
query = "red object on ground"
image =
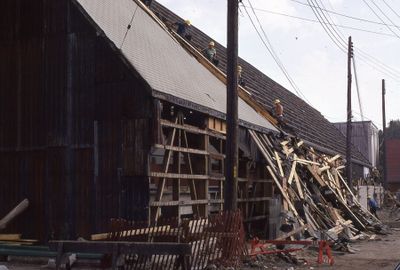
(262, 247)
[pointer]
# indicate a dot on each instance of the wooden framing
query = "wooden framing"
(187, 174)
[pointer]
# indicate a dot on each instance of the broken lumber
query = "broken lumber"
(14, 213)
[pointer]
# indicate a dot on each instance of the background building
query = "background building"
(365, 137)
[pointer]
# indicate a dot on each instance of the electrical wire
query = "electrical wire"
(379, 17)
(276, 55)
(341, 14)
(364, 57)
(267, 44)
(384, 14)
(128, 27)
(327, 29)
(392, 9)
(338, 39)
(359, 102)
(334, 24)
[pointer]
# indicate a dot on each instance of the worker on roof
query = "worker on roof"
(183, 29)
(278, 110)
(211, 53)
(241, 80)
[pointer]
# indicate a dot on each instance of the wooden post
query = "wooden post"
(349, 115)
(384, 135)
(231, 172)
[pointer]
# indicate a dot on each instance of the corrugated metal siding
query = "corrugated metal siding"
(393, 160)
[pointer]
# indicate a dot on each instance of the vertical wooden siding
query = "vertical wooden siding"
(47, 144)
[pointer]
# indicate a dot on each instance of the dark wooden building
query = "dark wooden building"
(101, 113)
(104, 114)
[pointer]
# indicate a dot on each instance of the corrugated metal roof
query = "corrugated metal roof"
(160, 59)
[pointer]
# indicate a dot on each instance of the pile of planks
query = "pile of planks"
(315, 194)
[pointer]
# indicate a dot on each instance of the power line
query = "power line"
(384, 14)
(327, 28)
(366, 58)
(272, 51)
(392, 9)
(340, 14)
(379, 17)
(315, 21)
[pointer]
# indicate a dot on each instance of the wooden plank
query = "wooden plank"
(255, 180)
(316, 176)
(181, 149)
(161, 184)
(191, 129)
(133, 232)
(292, 172)
(322, 169)
(186, 176)
(262, 148)
(300, 143)
(10, 237)
(186, 202)
(278, 161)
(334, 158)
(305, 161)
(192, 185)
(355, 200)
(285, 196)
(298, 185)
(13, 213)
(256, 199)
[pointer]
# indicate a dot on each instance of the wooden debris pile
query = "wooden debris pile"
(315, 194)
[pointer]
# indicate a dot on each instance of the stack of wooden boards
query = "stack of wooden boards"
(315, 194)
(15, 239)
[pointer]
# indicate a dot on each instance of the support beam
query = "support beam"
(232, 108)
(349, 172)
(384, 135)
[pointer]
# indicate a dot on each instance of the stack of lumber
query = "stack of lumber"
(15, 239)
(313, 189)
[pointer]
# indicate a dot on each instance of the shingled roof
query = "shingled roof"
(171, 72)
(308, 123)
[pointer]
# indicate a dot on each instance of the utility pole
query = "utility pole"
(349, 171)
(232, 160)
(384, 135)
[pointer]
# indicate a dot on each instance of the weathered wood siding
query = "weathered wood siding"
(75, 123)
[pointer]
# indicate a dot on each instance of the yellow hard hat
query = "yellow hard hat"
(277, 101)
(211, 43)
(188, 22)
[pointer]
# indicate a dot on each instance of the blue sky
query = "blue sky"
(313, 61)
